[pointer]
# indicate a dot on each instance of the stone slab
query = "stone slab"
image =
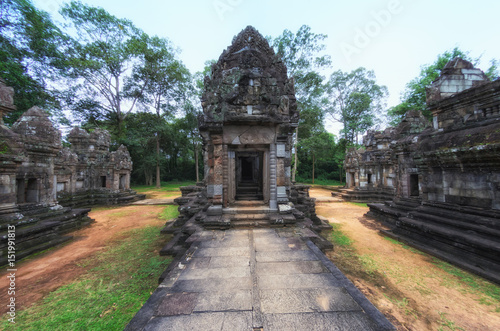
(229, 251)
(229, 261)
(330, 321)
(290, 268)
(210, 273)
(212, 285)
(225, 243)
(285, 256)
(177, 304)
(220, 321)
(225, 301)
(306, 300)
(198, 263)
(297, 281)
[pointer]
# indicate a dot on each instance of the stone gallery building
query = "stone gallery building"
(439, 182)
(40, 180)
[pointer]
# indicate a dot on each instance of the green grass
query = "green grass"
(359, 204)
(165, 187)
(169, 213)
(399, 243)
(118, 282)
(337, 237)
(475, 283)
(328, 182)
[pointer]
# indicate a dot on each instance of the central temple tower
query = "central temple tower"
(249, 116)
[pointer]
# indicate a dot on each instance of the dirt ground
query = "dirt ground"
(48, 271)
(414, 293)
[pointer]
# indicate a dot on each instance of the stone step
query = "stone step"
(246, 210)
(249, 203)
(250, 224)
(469, 225)
(455, 237)
(468, 217)
(250, 216)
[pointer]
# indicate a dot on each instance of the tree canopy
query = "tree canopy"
(414, 97)
(355, 101)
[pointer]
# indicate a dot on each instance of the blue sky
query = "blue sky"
(392, 37)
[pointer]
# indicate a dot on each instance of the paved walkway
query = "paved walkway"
(257, 279)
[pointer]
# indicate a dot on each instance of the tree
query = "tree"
(31, 53)
(102, 54)
(356, 100)
(166, 82)
(414, 95)
(301, 54)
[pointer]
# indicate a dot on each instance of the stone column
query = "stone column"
(273, 198)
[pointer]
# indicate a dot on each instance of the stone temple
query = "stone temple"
(41, 182)
(438, 184)
(249, 116)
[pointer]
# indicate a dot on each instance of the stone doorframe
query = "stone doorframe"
(229, 183)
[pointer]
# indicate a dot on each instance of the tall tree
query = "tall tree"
(301, 53)
(102, 54)
(31, 52)
(414, 97)
(356, 100)
(166, 82)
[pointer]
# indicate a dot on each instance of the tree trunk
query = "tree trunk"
(196, 161)
(158, 182)
(314, 160)
(296, 158)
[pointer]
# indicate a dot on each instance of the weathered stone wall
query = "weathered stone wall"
(40, 180)
(380, 170)
(447, 190)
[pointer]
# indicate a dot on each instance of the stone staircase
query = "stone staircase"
(98, 197)
(39, 227)
(248, 191)
(464, 236)
(365, 195)
(245, 214)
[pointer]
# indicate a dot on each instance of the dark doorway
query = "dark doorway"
(247, 164)
(249, 176)
(122, 185)
(21, 190)
(369, 178)
(414, 191)
(103, 181)
(353, 179)
(32, 190)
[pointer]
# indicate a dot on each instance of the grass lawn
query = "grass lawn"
(118, 281)
(167, 189)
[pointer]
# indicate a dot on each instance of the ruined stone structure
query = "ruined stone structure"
(40, 181)
(445, 178)
(249, 115)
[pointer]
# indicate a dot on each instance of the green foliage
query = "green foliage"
(356, 101)
(302, 54)
(108, 295)
(31, 51)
